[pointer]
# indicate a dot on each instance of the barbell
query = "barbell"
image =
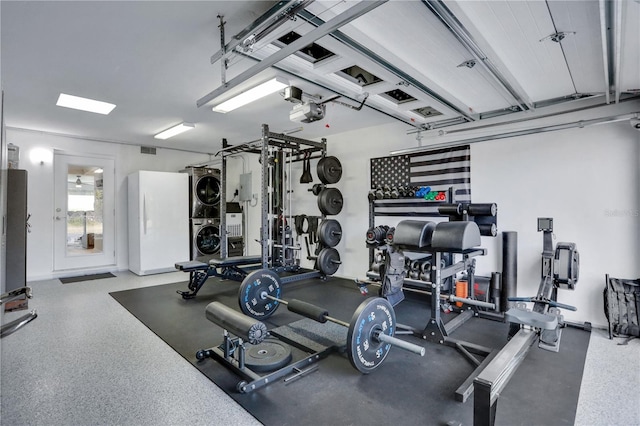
(370, 333)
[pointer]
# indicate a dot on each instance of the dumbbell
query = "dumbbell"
(370, 333)
(377, 234)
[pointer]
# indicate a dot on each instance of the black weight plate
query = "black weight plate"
(329, 170)
(252, 291)
(267, 356)
(330, 232)
(330, 201)
(372, 316)
(328, 261)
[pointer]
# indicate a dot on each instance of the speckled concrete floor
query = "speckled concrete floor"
(87, 361)
(610, 391)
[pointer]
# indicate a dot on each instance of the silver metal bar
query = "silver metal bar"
(15, 294)
(17, 324)
(617, 40)
(347, 16)
(407, 346)
(465, 38)
(545, 129)
(500, 370)
(223, 65)
(606, 53)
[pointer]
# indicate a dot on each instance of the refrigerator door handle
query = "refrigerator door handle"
(144, 213)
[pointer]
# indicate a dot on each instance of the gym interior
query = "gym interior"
(430, 215)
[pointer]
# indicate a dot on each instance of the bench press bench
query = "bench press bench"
(229, 268)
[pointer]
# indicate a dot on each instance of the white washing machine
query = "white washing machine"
(205, 192)
(205, 239)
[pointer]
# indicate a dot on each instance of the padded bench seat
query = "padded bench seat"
(235, 261)
(192, 265)
(534, 319)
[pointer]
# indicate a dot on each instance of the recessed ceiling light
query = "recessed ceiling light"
(175, 130)
(84, 104)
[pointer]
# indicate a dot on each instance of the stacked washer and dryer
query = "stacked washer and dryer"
(204, 198)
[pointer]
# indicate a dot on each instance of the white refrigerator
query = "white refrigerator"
(158, 221)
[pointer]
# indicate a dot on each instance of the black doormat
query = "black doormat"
(405, 390)
(91, 277)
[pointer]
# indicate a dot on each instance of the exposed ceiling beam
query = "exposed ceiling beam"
(345, 17)
(605, 22)
(379, 60)
(458, 30)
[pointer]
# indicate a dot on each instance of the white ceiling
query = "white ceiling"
(152, 59)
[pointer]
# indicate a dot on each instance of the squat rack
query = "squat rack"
(267, 147)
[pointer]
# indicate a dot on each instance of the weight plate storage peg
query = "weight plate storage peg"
(373, 318)
(328, 261)
(330, 201)
(253, 289)
(330, 232)
(329, 170)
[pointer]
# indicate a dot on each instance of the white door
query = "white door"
(84, 216)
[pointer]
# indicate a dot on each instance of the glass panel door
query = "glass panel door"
(84, 214)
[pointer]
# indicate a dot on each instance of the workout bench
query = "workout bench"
(229, 268)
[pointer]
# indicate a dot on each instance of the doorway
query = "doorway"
(84, 216)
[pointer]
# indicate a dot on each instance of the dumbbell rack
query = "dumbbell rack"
(376, 208)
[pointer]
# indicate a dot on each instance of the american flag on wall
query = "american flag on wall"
(438, 169)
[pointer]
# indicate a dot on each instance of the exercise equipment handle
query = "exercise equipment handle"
(418, 350)
(549, 302)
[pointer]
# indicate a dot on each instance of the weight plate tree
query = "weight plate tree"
(253, 289)
(370, 332)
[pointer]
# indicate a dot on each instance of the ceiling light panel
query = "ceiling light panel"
(175, 130)
(84, 104)
(583, 50)
(412, 38)
(512, 30)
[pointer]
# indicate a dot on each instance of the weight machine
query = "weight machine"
(544, 322)
(277, 152)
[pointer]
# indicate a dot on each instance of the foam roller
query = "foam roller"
(238, 324)
(308, 310)
(488, 209)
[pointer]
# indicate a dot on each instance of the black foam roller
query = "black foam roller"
(488, 229)
(495, 290)
(509, 267)
(308, 310)
(237, 323)
(450, 209)
(482, 209)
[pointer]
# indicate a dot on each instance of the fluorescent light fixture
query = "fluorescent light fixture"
(84, 104)
(253, 94)
(96, 171)
(175, 130)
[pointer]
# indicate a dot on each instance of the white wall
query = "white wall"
(586, 179)
(128, 159)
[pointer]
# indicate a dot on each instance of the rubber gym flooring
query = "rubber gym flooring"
(405, 390)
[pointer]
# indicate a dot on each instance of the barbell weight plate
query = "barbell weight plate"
(253, 287)
(330, 201)
(374, 315)
(330, 232)
(269, 355)
(328, 261)
(329, 170)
